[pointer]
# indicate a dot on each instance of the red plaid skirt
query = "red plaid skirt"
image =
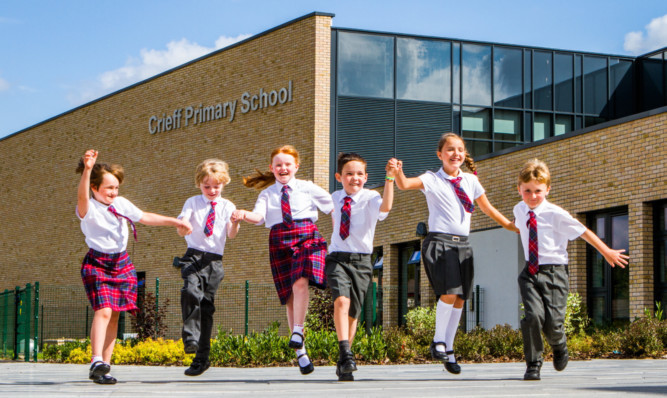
(296, 251)
(110, 281)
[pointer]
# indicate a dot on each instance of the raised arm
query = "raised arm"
(388, 194)
(489, 210)
(613, 256)
(83, 192)
(402, 182)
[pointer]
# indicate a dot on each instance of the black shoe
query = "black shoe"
(533, 371)
(305, 369)
(452, 367)
(347, 363)
(197, 367)
(343, 376)
(560, 359)
(105, 379)
(295, 344)
(191, 348)
(98, 369)
(438, 355)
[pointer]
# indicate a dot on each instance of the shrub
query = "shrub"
(149, 321)
(370, 347)
(504, 342)
(581, 346)
(320, 314)
(420, 324)
(641, 338)
(400, 346)
(576, 315)
(61, 352)
(606, 342)
(472, 346)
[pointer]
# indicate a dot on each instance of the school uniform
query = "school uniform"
(447, 254)
(544, 294)
(297, 249)
(348, 264)
(201, 269)
(107, 272)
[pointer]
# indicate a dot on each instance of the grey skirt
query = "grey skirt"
(449, 264)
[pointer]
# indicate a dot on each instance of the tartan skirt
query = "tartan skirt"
(110, 281)
(296, 251)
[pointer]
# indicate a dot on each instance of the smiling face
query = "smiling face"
(353, 177)
(533, 192)
(211, 188)
(284, 167)
(452, 154)
(108, 189)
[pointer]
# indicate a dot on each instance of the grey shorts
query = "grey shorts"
(349, 275)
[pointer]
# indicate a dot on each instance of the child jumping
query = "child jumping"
(545, 230)
(107, 271)
(348, 264)
(288, 206)
(201, 266)
(447, 254)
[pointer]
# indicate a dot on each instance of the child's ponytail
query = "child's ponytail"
(470, 163)
(259, 179)
(98, 171)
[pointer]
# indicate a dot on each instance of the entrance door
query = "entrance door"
(408, 278)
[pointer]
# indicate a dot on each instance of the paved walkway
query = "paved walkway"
(599, 378)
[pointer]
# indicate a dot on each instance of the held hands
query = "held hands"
(89, 159)
(614, 257)
(184, 228)
(392, 167)
(238, 216)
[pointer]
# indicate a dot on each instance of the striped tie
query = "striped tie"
(465, 200)
(533, 263)
(285, 207)
(345, 212)
(210, 220)
(118, 215)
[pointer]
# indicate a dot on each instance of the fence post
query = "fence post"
(17, 300)
(157, 307)
(5, 323)
(247, 288)
(479, 306)
(26, 318)
(36, 316)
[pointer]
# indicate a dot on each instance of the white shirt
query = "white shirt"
(104, 231)
(364, 215)
(305, 199)
(555, 227)
(445, 211)
(196, 210)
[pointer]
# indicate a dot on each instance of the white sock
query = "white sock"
(452, 328)
(96, 358)
(304, 360)
(297, 329)
(443, 312)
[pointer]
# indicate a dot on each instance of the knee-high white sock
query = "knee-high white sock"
(443, 313)
(304, 360)
(450, 333)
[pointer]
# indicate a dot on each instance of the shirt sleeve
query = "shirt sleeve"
(427, 181)
(321, 198)
(375, 202)
(186, 213)
(261, 205)
(568, 226)
(129, 210)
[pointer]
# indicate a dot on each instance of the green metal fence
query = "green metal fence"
(19, 320)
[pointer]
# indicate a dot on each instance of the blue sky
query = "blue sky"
(57, 55)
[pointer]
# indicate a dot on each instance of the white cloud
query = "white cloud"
(656, 37)
(4, 84)
(149, 63)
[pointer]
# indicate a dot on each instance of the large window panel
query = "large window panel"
(527, 78)
(595, 85)
(476, 74)
(564, 82)
(622, 101)
(562, 124)
(507, 77)
(541, 126)
(507, 125)
(365, 65)
(423, 70)
(542, 79)
(456, 75)
(476, 122)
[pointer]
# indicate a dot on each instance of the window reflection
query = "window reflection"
(542, 79)
(562, 124)
(475, 122)
(476, 74)
(365, 65)
(564, 82)
(595, 85)
(507, 77)
(541, 126)
(423, 70)
(507, 125)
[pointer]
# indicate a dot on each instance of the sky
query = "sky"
(58, 55)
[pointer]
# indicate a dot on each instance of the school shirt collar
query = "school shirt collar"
(291, 184)
(536, 210)
(447, 176)
(355, 197)
(207, 201)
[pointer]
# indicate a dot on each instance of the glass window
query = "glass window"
(475, 122)
(564, 82)
(622, 101)
(478, 148)
(660, 211)
(456, 69)
(365, 65)
(562, 124)
(541, 126)
(652, 82)
(578, 96)
(476, 74)
(423, 70)
(595, 85)
(507, 77)
(507, 125)
(527, 75)
(542, 79)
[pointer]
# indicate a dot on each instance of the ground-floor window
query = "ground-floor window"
(409, 263)
(660, 212)
(608, 288)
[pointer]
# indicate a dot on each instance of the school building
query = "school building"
(598, 120)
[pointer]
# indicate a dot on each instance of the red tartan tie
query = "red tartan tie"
(345, 212)
(465, 200)
(118, 215)
(210, 220)
(533, 263)
(284, 205)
